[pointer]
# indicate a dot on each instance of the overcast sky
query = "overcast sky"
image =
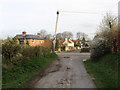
(34, 15)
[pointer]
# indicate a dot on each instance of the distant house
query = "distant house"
(84, 44)
(81, 43)
(76, 41)
(67, 44)
(32, 40)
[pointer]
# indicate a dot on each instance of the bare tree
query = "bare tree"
(64, 35)
(108, 26)
(59, 35)
(82, 36)
(109, 22)
(67, 34)
(43, 33)
(79, 34)
(48, 36)
(85, 36)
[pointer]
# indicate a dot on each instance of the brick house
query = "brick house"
(32, 40)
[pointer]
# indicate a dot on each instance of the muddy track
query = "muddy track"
(67, 71)
(52, 67)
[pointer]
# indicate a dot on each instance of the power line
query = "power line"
(75, 12)
(79, 12)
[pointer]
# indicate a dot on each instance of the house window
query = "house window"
(33, 41)
(21, 41)
(37, 41)
(41, 42)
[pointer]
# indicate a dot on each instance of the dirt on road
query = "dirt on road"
(67, 71)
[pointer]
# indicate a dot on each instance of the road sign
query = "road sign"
(54, 42)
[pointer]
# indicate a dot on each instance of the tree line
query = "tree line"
(63, 35)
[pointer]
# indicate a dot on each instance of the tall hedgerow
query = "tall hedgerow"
(13, 52)
(99, 46)
(106, 40)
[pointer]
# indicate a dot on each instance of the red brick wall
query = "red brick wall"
(36, 42)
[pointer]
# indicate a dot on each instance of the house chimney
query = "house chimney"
(38, 33)
(24, 32)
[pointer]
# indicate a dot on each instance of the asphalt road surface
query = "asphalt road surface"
(67, 71)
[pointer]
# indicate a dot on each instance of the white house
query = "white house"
(68, 44)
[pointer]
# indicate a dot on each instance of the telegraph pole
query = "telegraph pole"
(54, 42)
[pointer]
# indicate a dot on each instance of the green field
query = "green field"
(20, 74)
(105, 71)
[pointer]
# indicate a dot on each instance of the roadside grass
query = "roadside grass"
(20, 74)
(104, 70)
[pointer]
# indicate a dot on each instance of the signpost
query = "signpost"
(54, 42)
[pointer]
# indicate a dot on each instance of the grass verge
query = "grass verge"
(19, 75)
(105, 71)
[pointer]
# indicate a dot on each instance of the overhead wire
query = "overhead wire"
(78, 12)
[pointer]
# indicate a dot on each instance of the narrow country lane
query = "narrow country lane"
(67, 71)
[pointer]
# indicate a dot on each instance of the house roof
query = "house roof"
(75, 40)
(29, 36)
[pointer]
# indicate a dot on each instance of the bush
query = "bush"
(31, 52)
(13, 52)
(46, 50)
(77, 45)
(99, 46)
(48, 43)
(28, 52)
(10, 49)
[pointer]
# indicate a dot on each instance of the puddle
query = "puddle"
(68, 67)
(55, 69)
